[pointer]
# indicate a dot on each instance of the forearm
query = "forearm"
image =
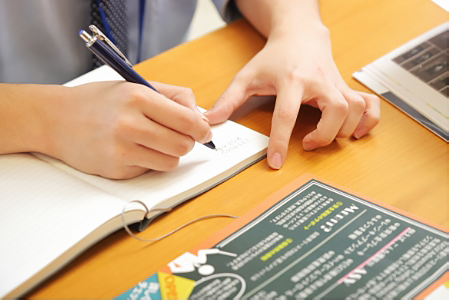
(23, 116)
(281, 17)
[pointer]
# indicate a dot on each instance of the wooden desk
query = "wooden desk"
(400, 163)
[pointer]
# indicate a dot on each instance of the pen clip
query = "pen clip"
(99, 35)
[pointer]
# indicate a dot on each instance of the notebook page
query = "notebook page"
(43, 213)
(201, 169)
(198, 171)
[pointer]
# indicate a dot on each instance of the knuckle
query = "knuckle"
(315, 77)
(187, 92)
(136, 96)
(279, 144)
(374, 99)
(188, 121)
(117, 173)
(125, 173)
(286, 115)
(118, 156)
(183, 146)
(294, 74)
(357, 104)
(343, 134)
(373, 115)
(372, 121)
(169, 164)
(122, 127)
(323, 140)
(325, 32)
(341, 108)
(115, 168)
(246, 81)
(244, 75)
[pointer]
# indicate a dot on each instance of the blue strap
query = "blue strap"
(141, 21)
(108, 32)
(106, 26)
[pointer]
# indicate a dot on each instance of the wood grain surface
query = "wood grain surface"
(400, 163)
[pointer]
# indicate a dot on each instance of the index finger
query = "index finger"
(175, 116)
(179, 94)
(288, 102)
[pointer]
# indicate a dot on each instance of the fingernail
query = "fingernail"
(209, 137)
(308, 146)
(276, 161)
(208, 111)
(204, 118)
(360, 132)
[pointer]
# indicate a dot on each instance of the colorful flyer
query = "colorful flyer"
(312, 240)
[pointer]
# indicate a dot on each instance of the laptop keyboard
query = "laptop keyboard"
(429, 62)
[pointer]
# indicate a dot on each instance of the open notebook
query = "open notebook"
(415, 78)
(51, 212)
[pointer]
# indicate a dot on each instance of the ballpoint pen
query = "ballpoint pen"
(105, 50)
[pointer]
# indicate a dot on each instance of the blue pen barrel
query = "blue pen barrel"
(109, 57)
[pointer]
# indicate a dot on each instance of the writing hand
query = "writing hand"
(121, 130)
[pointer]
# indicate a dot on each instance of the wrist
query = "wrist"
(299, 29)
(54, 111)
(41, 111)
(282, 17)
(22, 117)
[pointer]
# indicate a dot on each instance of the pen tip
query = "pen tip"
(210, 145)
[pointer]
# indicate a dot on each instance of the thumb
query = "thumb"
(232, 98)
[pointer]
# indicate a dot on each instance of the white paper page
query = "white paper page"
(444, 4)
(103, 73)
(235, 144)
(43, 213)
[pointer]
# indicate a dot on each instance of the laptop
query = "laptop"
(415, 79)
